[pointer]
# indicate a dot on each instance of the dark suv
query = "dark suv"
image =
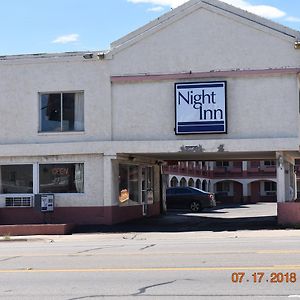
(189, 197)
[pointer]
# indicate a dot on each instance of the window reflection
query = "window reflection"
(62, 112)
(128, 184)
(61, 178)
(16, 179)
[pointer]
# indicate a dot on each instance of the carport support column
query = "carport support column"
(286, 183)
(109, 186)
(245, 192)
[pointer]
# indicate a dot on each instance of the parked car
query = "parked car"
(189, 197)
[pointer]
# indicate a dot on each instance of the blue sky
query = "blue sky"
(39, 26)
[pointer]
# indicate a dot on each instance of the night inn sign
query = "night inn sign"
(200, 107)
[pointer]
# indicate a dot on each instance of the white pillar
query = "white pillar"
(281, 186)
(296, 185)
(245, 165)
(286, 181)
(245, 192)
(293, 182)
(110, 180)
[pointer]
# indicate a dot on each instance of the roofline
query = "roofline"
(76, 54)
(189, 6)
(253, 18)
(152, 24)
(203, 75)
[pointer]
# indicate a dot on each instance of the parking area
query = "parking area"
(241, 211)
(221, 218)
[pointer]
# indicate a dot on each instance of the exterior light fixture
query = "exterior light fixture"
(297, 44)
(101, 55)
(88, 55)
(280, 162)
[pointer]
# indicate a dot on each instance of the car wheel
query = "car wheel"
(195, 206)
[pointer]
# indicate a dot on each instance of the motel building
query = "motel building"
(84, 136)
(233, 182)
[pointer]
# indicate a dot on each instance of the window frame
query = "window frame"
(223, 164)
(36, 177)
(129, 202)
(269, 163)
(223, 185)
(273, 186)
(33, 182)
(59, 163)
(61, 92)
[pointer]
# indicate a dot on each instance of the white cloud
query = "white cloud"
(293, 19)
(64, 39)
(156, 9)
(171, 3)
(266, 11)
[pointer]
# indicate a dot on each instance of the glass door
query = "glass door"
(146, 188)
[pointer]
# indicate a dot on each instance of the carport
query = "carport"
(193, 151)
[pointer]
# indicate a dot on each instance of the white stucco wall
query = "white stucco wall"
(23, 78)
(257, 107)
(206, 40)
(93, 178)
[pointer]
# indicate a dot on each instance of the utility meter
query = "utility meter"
(47, 202)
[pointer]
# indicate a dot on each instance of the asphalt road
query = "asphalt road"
(188, 265)
(221, 218)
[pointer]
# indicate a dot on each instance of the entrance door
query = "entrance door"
(147, 188)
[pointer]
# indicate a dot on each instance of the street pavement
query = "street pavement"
(165, 264)
(221, 218)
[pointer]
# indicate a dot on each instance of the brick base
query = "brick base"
(41, 229)
(74, 215)
(288, 213)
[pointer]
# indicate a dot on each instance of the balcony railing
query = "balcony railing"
(222, 172)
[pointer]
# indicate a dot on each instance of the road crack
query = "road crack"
(147, 247)
(9, 258)
(143, 290)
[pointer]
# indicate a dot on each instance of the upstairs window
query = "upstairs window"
(221, 164)
(270, 163)
(61, 112)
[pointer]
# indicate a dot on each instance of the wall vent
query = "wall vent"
(18, 201)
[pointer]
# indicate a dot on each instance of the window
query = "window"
(61, 178)
(270, 186)
(128, 184)
(174, 182)
(223, 186)
(269, 163)
(61, 112)
(16, 179)
(222, 163)
(183, 182)
(133, 183)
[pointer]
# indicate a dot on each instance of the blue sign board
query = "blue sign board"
(201, 107)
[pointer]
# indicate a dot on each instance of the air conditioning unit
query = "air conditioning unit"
(44, 202)
(18, 201)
